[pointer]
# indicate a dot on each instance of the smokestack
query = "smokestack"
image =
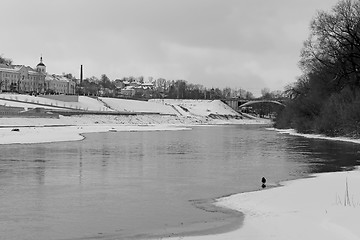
(81, 73)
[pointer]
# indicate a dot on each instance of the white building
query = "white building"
(20, 78)
(24, 79)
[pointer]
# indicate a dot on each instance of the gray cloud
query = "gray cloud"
(237, 43)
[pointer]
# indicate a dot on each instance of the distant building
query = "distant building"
(128, 91)
(58, 84)
(133, 88)
(119, 83)
(25, 79)
(20, 78)
(147, 85)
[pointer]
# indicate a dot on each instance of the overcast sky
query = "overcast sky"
(249, 44)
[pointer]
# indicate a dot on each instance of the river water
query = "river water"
(119, 185)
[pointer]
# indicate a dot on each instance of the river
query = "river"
(119, 185)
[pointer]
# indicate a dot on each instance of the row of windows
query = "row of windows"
(10, 75)
(9, 81)
(25, 82)
(21, 83)
(18, 76)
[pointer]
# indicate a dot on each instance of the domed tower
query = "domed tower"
(41, 66)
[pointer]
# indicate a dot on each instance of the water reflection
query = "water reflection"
(128, 183)
(323, 155)
(80, 164)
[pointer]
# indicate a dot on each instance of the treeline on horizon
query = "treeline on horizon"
(162, 88)
(326, 98)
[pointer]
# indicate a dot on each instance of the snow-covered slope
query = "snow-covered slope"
(28, 101)
(137, 106)
(199, 107)
(179, 107)
(169, 111)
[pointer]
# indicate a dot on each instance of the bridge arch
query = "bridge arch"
(261, 101)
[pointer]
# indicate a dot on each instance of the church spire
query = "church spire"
(41, 66)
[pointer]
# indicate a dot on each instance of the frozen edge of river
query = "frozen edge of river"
(71, 129)
(308, 208)
(38, 134)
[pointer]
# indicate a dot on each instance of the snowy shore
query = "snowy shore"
(36, 134)
(155, 115)
(323, 206)
(316, 136)
(37, 130)
(312, 208)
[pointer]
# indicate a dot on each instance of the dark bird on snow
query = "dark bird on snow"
(263, 180)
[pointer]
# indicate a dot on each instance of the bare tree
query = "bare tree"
(334, 44)
(4, 60)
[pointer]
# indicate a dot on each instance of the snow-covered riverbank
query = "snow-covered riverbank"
(311, 208)
(155, 115)
(26, 135)
(39, 130)
(323, 206)
(316, 136)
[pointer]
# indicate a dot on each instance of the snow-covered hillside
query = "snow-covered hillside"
(127, 105)
(28, 101)
(156, 111)
(198, 107)
(178, 107)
